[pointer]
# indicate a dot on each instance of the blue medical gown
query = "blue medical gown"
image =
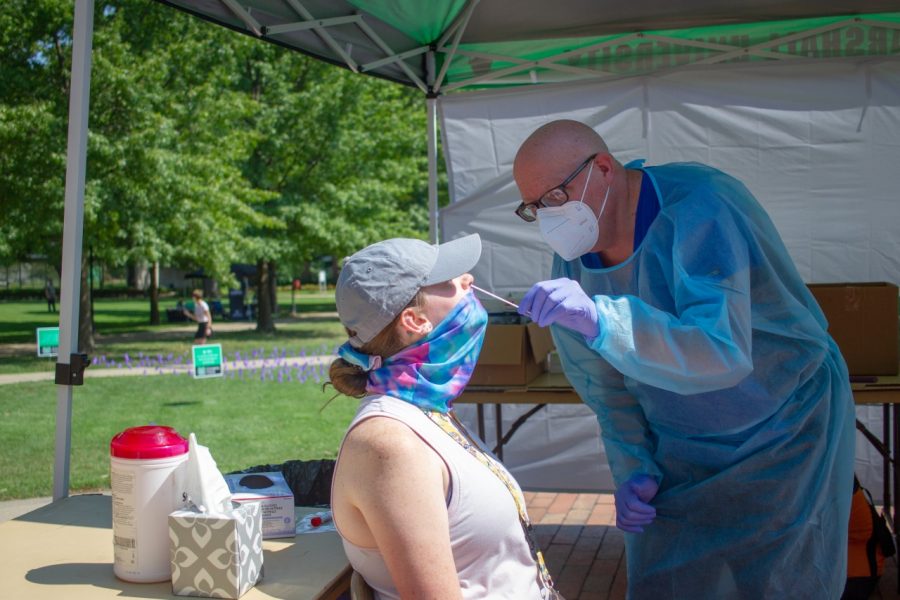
(713, 372)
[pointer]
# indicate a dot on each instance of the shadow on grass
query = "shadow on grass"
(43, 312)
(18, 320)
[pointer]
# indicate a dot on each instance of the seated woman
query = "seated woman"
(423, 509)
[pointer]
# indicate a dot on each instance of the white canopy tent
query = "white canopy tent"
(817, 144)
(449, 45)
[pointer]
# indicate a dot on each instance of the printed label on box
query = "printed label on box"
(273, 494)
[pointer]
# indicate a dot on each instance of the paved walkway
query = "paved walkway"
(11, 509)
(175, 369)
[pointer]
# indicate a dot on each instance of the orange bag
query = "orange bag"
(869, 542)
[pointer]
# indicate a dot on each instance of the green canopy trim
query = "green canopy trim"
(424, 26)
(548, 61)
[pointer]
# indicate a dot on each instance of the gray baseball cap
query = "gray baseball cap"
(377, 282)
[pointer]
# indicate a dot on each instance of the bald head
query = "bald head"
(552, 151)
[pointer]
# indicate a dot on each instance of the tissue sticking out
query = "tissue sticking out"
(204, 485)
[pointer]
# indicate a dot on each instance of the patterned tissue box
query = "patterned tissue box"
(216, 557)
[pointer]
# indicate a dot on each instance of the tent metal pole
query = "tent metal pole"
(431, 104)
(394, 58)
(324, 35)
(244, 15)
(73, 221)
(270, 30)
(456, 39)
(387, 50)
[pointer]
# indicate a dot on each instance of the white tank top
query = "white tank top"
(489, 546)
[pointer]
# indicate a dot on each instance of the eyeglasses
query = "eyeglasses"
(556, 196)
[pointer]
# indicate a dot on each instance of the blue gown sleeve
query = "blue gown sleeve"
(704, 344)
(623, 426)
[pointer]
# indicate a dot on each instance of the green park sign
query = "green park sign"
(47, 341)
(207, 361)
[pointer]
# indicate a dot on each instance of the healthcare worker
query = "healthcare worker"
(724, 406)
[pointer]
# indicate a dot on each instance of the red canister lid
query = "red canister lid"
(148, 441)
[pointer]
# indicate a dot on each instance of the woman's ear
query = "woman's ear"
(414, 323)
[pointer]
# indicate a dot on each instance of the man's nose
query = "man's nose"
(466, 280)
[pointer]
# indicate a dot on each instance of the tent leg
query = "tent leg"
(73, 222)
(431, 104)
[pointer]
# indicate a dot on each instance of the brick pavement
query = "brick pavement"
(583, 550)
(586, 553)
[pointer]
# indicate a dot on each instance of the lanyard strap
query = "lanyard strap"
(460, 436)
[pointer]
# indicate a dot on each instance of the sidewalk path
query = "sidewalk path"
(10, 509)
(274, 364)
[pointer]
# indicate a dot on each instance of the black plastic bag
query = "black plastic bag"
(309, 480)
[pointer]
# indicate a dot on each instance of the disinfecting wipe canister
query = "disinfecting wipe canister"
(143, 464)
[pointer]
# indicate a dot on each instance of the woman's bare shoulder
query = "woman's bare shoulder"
(383, 435)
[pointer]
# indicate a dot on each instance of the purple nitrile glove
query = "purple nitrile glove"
(561, 301)
(633, 510)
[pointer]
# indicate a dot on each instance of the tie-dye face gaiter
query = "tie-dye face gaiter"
(432, 372)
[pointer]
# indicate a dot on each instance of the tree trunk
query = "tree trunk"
(85, 314)
(273, 287)
(264, 319)
(154, 293)
(137, 275)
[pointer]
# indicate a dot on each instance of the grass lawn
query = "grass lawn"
(122, 329)
(18, 320)
(244, 422)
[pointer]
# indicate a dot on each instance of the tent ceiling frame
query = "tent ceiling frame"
(319, 26)
(761, 48)
(547, 63)
(460, 29)
(449, 46)
(728, 51)
(382, 45)
(522, 61)
(394, 58)
(758, 49)
(302, 25)
(324, 35)
(244, 15)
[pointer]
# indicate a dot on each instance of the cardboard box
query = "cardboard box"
(862, 319)
(273, 494)
(216, 557)
(554, 364)
(512, 354)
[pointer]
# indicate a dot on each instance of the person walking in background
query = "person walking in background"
(724, 405)
(202, 316)
(50, 295)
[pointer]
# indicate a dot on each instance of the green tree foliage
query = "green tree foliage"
(205, 147)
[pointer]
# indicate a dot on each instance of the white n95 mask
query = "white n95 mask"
(571, 229)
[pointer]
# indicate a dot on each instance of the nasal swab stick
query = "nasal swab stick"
(495, 296)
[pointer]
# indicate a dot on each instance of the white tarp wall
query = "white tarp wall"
(818, 143)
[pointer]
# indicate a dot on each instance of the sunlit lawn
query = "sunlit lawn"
(244, 421)
(246, 418)
(121, 328)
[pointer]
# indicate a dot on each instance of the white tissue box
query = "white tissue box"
(216, 556)
(273, 494)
